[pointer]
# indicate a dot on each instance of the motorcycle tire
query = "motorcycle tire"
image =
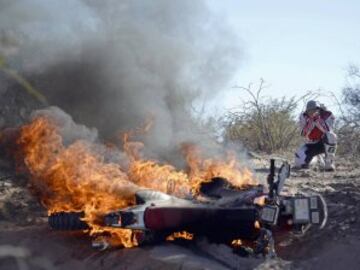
(67, 221)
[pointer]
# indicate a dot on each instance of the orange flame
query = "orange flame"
(74, 178)
(183, 235)
(202, 170)
(236, 243)
(77, 177)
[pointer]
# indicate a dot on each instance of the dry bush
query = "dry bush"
(264, 124)
(348, 141)
(348, 128)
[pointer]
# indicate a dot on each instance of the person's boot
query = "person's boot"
(330, 157)
(329, 164)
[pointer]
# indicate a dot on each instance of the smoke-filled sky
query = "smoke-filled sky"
(294, 45)
(113, 64)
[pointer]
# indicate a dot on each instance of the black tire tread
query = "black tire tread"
(67, 221)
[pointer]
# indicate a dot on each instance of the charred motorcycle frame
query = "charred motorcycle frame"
(221, 213)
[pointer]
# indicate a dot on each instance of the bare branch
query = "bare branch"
(263, 124)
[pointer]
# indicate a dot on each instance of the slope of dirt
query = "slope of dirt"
(338, 244)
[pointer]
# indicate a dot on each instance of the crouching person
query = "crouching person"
(316, 125)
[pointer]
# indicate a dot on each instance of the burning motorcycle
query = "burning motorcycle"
(221, 213)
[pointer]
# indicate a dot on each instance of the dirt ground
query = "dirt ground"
(26, 242)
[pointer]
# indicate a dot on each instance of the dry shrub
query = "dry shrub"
(264, 124)
(348, 141)
(348, 129)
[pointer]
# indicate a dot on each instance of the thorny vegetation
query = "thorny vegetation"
(349, 105)
(264, 124)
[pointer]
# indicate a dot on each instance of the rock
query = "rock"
(329, 189)
(274, 264)
(352, 220)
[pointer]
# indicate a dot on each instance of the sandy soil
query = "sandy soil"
(26, 242)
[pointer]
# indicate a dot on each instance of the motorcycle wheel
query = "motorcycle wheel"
(67, 221)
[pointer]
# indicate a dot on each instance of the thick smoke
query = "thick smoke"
(112, 64)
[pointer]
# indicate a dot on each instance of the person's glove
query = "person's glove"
(320, 124)
(308, 127)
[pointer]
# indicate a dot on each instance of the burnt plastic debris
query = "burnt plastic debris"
(218, 187)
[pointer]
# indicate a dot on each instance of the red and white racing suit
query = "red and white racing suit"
(320, 138)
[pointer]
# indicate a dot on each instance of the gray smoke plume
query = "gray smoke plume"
(112, 64)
